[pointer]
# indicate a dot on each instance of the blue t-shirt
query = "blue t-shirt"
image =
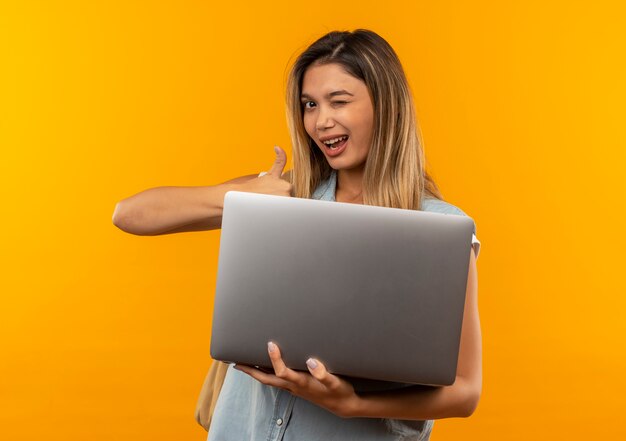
(249, 410)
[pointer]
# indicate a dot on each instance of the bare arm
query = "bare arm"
(163, 210)
(166, 210)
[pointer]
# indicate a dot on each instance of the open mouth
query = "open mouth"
(337, 143)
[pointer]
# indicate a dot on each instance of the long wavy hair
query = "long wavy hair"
(394, 174)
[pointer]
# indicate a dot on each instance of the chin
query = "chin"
(337, 166)
(340, 165)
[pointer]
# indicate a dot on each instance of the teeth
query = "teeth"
(332, 141)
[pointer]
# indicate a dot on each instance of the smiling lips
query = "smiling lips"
(337, 147)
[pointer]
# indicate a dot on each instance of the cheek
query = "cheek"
(308, 127)
(365, 130)
(365, 137)
(368, 129)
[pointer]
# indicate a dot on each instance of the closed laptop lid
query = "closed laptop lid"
(373, 292)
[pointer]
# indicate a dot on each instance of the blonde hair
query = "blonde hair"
(394, 174)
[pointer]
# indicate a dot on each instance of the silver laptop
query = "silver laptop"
(374, 293)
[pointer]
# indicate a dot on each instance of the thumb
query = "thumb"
(279, 163)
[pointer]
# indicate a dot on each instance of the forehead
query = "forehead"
(319, 80)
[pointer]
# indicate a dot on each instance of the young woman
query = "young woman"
(355, 139)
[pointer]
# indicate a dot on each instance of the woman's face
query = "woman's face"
(338, 105)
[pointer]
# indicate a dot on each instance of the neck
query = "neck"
(350, 184)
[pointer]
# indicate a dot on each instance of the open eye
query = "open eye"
(306, 103)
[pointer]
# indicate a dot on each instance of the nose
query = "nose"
(324, 120)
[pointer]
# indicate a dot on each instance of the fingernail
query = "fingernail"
(311, 363)
(271, 346)
(276, 149)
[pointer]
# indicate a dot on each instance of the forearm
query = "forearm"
(420, 402)
(162, 209)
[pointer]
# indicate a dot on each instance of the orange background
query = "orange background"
(105, 335)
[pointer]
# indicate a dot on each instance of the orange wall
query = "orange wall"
(105, 335)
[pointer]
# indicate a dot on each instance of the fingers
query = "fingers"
(283, 377)
(263, 377)
(317, 369)
(319, 372)
(279, 162)
(280, 369)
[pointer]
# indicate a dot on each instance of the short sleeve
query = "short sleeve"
(439, 206)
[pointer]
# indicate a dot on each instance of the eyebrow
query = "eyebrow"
(304, 96)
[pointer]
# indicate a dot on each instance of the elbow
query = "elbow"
(469, 402)
(120, 216)
(123, 218)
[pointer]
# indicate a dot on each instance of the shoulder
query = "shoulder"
(439, 206)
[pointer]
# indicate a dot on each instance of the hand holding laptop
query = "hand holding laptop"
(321, 387)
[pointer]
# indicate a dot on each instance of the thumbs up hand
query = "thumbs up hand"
(279, 163)
(271, 182)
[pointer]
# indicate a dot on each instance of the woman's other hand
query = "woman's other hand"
(319, 387)
(273, 182)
